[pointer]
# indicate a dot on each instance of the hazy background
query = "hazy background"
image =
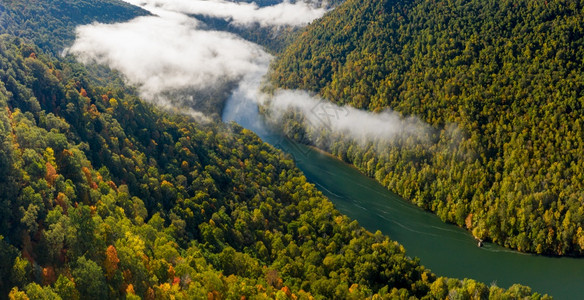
(177, 62)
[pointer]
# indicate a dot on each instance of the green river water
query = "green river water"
(445, 249)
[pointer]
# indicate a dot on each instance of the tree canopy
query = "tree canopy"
(105, 196)
(500, 82)
(51, 24)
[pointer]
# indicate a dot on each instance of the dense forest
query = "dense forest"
(500, 82)
(104, 196)
(51, 24)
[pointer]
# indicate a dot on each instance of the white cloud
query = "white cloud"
(165, 54)
(359, 125)
(169, 54)
(321, 116)
(241, 13)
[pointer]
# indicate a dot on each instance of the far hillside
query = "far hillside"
(51, 24)
(502, 83)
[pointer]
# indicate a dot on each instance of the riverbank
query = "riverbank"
(446, 249)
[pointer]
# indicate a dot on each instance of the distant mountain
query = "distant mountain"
(51, 24)
(275, 38)
(501, 81)
(318, 3)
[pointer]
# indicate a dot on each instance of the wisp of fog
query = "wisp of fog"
(359, 125)
(242, 13)
(169, 51)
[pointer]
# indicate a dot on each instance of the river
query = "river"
(182, 55)
(445, 249)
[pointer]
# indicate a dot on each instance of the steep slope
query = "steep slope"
(502, 83)
(104, 196)
(51, 24)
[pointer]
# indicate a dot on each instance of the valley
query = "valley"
(282, 150)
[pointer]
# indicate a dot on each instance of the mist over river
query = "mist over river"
(446, 249)
(178, 53)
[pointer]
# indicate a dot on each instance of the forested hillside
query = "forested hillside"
(51, 24)
(502, 83)
(104, 196)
